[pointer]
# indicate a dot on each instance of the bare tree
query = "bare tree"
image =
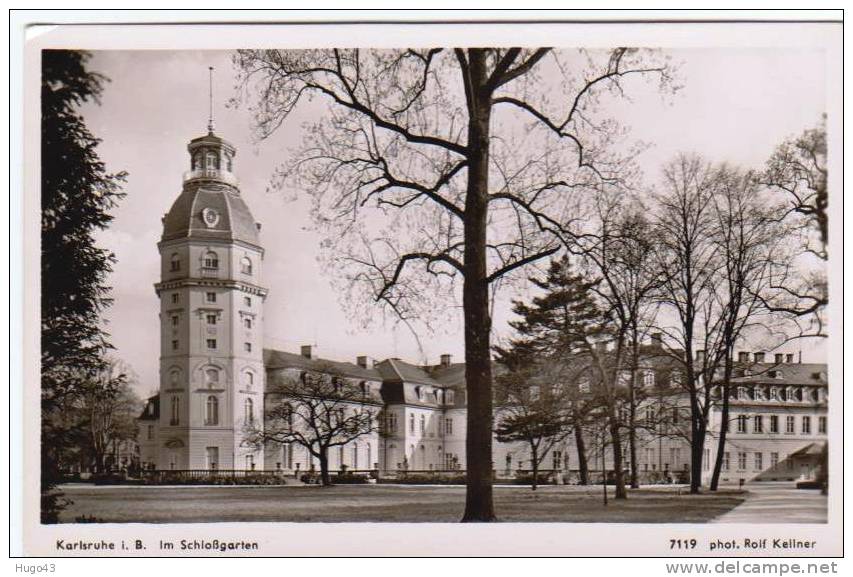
(534, 407)
(316, 410)
(106, 411)
(689, 262)
(619, 252)
(438, 165)
(749, 241)
(798, 169)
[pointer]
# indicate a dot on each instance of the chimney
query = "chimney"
(362, 362)
(743, 357)
(700, 355)
(778, 358)
(759, 357)
(789, 358)
(306, 351)
(445, 360)
(657, 340)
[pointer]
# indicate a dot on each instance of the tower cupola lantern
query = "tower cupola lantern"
(211, 157)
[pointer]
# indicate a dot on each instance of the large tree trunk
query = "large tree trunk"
(697, 447)
(535, 466)
(583, 466)
(618, 473)
(724, 429)
(632, 408)
(324, 467)
(475, 302)
(632, 432)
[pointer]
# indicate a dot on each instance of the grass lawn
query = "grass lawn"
(384, 503)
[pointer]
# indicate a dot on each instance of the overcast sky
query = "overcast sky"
(735, 105)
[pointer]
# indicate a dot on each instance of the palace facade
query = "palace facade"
(215, 373)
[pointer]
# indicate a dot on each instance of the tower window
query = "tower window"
(229, 163)
(211, 415)
(247, 347)
(211, 319)
(247, 301)
(176, 411)
(175, 377)
(210, 297)
(212, 161)
(174, 345)
(211, 343)
(247, 322)
(197, 161)
(176, 298)
(175, 320)
(248, 379)
(211, 260)
(249, 409)
(175, 263)
(246, 265)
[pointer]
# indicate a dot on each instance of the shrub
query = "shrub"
(426, 479)
(349, 479)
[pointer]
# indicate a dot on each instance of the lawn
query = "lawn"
(384, 503)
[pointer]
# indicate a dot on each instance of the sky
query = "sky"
(735, 105)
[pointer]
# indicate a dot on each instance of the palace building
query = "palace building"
(215, 373)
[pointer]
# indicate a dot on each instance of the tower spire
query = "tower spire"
(210, 119)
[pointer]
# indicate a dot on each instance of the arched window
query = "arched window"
(249, 410)
(247, 322)
(229, 162)
(211, 260)
(211, 377)
(175, 263)
(212, 161)
(197, 161)
(175, 377)
(246, 265)
(211, 414)
(176, 411)
(248, 379)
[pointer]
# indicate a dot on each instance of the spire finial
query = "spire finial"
(210, 120)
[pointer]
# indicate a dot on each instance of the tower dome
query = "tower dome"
(210, 205)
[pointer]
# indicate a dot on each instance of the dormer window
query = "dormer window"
(675, 379)
(774, 394)
(420, 393)
(742, 394)
(448, 397)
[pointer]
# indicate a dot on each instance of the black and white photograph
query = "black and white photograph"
(570, 277)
